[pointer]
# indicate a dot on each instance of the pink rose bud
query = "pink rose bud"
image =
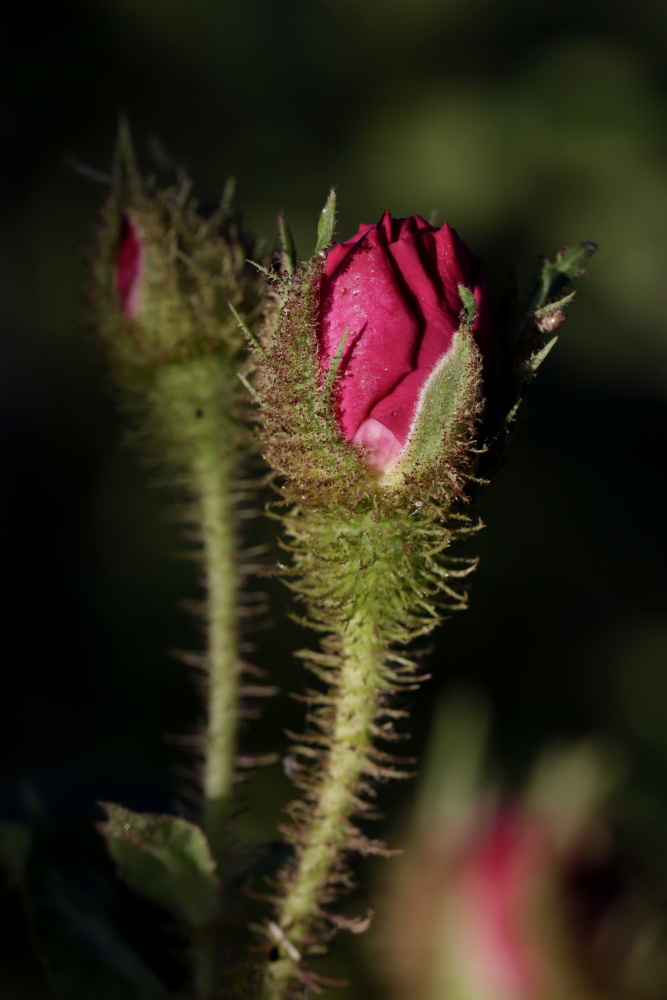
(128, 268)
(393, 292)
(496, 887)
(486, 913)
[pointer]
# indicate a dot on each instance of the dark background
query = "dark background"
(528, 127)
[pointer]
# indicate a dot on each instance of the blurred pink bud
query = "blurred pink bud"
(394, 287)
(487, 912)
(495, 887)
(128, 268)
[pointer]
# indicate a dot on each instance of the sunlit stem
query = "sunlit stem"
(328, 831)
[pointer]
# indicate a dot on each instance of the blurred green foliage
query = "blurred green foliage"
(527, 126)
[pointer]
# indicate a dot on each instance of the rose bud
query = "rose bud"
(163, 276)
(128, 268)
(486, 902)
(486, 916)
(393, 292)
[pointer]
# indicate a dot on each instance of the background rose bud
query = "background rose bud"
(497, 898)
(394, 287)
(128, 268)
(163, 276)
(486, 913)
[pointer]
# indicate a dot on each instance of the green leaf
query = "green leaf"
(166, 859)
(327, 223)
(557, 274)
(534, 361)
(287, 244)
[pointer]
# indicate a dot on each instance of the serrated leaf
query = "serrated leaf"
(327, 223)
(166, 859)
(556, 274)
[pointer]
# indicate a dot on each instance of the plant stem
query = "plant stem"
(220, 568)
(194, 404)
(212, 481)
(328, 831)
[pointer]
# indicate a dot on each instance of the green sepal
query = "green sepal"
(444, 421)
(327, 223)
(166, 859)
(287, 244)
(469, 306)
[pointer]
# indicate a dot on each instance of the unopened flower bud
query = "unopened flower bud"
(128, 268)
(392, 291)
(487, 900)
(371, 384)
(164, 276)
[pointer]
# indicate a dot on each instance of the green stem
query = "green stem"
(194, 405)
(213, 486)
(328, 831)
(220, 567)
(205, 951)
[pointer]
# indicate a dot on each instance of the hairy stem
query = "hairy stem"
(212, 483)
(220, 568)
(328, 831)
(194, 405)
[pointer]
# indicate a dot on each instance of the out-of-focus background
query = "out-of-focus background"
(527, 127)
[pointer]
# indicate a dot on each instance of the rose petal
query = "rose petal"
(394, 287)
(364, 298)
(128, 268)
(382, 446)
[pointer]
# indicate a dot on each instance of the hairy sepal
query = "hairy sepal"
(437, 456)
(192, 268)
(303, 442)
